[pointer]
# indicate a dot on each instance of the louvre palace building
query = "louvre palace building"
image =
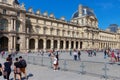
(24, 30)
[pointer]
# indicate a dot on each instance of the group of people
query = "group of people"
(54, 55)
(19, 68)
(77, 55)
(114, 56)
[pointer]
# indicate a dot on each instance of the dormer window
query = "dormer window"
(4, 11)
(4, 1)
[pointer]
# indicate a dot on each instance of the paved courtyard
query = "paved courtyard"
(93, 68)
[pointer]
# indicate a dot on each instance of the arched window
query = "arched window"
(3, 24)
(32, 44)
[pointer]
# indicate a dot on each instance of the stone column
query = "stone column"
(27, 30)
(84, 45)
(74, 44)
(36, 44)
(27, 44)
(23, 25)
(44, 44)
(52, 44)
(14, 25)
(14, 37)
(64, 44)
(10, 44)
(11, 26)
(22, 43)
(58, 45)
(69, 44)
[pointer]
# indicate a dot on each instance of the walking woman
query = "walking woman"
(17, 72)
(7, 69)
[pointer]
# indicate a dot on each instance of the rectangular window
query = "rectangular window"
(4, 1)
(18, 14)
(4, 11)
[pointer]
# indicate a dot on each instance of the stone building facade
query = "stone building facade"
(23, 30)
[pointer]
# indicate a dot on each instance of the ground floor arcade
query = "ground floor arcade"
(24, 43)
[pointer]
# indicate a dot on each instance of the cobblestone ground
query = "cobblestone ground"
(38, 72)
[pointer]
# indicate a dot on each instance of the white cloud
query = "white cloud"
(106, 5)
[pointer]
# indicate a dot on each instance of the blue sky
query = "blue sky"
(106, 11)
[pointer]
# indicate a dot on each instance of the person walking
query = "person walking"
(75, 55)
(55, 63)
(79, 54)
(7, 69)
(105, 54)
(23, 66)
(10, 58)
(17, 72)
(112, 56)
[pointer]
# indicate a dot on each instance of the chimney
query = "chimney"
(80, 11)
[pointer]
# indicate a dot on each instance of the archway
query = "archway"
(40, 44)
(4, 43)
(61, 44)
(77, 45)
(48, 44)
(81, 43)
(18, 44)
(67, 44)
(72, 45)
(55, 44)
(32, 44)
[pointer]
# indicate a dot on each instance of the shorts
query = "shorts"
(23, 70)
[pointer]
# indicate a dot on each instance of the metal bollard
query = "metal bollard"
(51, 65)
(42, 61)
(82, 68)
(29, 60)
(105, 69)
(65, 65)
(34, 60)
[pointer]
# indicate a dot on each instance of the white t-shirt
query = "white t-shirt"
(55, 60)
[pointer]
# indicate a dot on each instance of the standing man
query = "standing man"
(79, 54)
(75, 55)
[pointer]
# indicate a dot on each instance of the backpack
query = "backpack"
(23, 64)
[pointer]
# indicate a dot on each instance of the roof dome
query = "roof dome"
(85, 12)
(16, 1)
